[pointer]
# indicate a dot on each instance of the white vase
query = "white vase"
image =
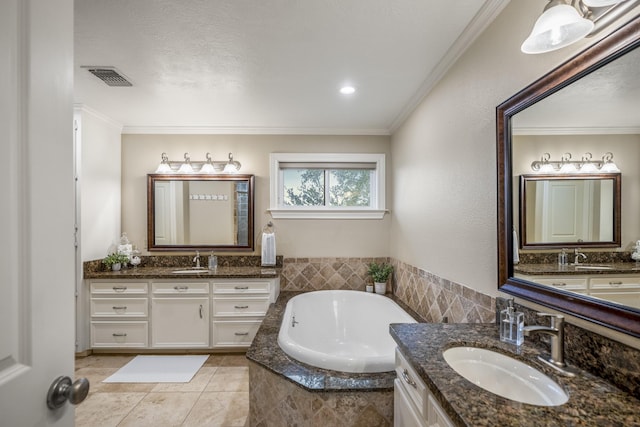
(116, 267)
(369, 288)
(381, 288)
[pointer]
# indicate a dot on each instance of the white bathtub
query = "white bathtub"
(344, 331)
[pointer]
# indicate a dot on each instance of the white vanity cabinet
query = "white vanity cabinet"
(622, 289)
(119, 314)
(180, 314)
(413, 403)
(239, 306)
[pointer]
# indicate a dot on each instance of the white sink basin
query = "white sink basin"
(505, 376)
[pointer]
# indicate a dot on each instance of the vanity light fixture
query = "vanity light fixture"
(565, 165)
(187, 166)
(564, 22)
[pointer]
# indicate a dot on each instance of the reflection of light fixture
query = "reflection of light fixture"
(559, 25)
(564, 22)
(232, 166)
(209, 166)
(565, 165)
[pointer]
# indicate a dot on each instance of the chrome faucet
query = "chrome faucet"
(578, 254)
(196, 259)
(556, 331)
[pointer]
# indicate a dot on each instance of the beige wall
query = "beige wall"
(295, 238)
(98, 147)
(443, 156)
(626, 152)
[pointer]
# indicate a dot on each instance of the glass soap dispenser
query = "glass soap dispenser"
(511, 325)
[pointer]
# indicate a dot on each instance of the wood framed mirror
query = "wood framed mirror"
(619, 44)
(200, 212)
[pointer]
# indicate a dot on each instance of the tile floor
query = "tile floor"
(218, 395)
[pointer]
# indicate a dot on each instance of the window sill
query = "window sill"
(327, 214)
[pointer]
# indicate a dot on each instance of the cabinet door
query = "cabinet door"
(404, 415)
(180, 322)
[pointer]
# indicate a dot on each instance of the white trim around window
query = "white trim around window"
(280, 211)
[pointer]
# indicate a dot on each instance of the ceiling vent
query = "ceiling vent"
(109, 75)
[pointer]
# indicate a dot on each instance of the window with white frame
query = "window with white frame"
(327, 185)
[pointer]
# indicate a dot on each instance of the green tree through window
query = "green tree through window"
(346, 187)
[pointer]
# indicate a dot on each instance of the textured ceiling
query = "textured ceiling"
(269, 66)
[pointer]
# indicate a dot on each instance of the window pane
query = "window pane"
(350, 187)
(303, 187)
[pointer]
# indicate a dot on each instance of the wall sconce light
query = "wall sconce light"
(565, 165)
(208, 166)
(564, 22)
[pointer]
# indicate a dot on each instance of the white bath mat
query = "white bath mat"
(158, 369)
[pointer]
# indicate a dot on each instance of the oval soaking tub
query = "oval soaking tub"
(345, 331)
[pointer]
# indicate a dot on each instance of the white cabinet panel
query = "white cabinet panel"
(119, 307)
(180, 288)
(117, 287)
(119, 334)
(240, 306)
(404, 415)
(180, 322)
(234, 333)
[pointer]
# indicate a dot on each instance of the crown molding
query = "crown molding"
(487, 13)
(603, 130)
(82, 108)
(227, 130)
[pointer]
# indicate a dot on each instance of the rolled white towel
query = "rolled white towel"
(268, 249)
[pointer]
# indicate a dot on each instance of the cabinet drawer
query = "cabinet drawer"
(119, 307)
(245, 306)
(567, 283)
(615, 283)
(118, 288)
(412, 383)
(119, 334)
(240, 287)
(177, 288)
(234, 333)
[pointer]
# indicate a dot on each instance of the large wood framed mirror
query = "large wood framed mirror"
(200, 212)
(608, 68)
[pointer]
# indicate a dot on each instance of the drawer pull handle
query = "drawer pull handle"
(121, 334)
(241, 334)
(122, 307)
(615, 283)
(201, 311)
(559, 284)
(181, 288)
(405, 376)
(241, 306)
(242, 287)
(119, 288)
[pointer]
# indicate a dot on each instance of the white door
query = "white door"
(37, 214)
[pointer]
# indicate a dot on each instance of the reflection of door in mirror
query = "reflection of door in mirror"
(561, 210)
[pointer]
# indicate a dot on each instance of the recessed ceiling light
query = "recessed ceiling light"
(347, 90)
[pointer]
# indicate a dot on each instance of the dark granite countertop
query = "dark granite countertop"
(168, 273)
(592, 401)
(631, 268)
(266, 352)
